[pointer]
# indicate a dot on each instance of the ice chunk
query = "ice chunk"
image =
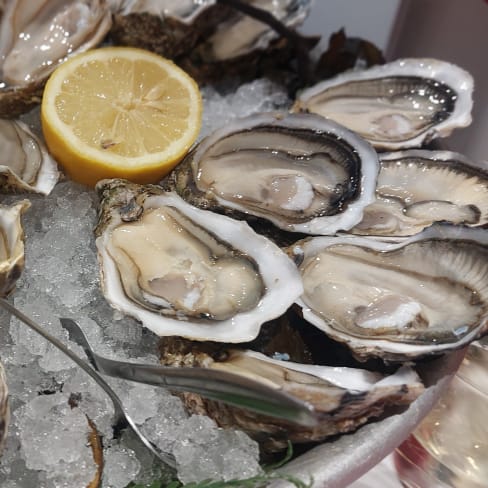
(92, 400)
(140, 401)
(208, 452)
(120, 468)
(164, 429)
(54, 438)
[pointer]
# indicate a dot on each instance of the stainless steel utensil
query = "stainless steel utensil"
(218, 385)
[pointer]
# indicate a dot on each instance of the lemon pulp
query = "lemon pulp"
(120, 112)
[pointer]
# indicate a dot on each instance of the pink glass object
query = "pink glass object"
(450, 447)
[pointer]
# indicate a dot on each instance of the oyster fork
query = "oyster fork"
(214, 384)
(218, 385)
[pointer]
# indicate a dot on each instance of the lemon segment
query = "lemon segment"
(120, 112)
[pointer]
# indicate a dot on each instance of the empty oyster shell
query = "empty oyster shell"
(4, 410)
(423, 295)
(25, 164)
(11, 245)
(188, 272)
(299, 171)
(37, 35)
(344, 398)
(398, 105)
(417, 188)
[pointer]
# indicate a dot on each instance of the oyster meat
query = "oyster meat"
(37, 35)
(343, 397)
(424, 295)
(188, 272)
(11, 245)
(417, 188)
(401, 104)
(25, 164)
(299, 171)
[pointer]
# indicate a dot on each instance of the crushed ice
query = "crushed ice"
(51, 399)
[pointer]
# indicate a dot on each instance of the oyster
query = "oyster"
(188, 272)
(25, 164)
(299, 171)
(343, 397)
(402, 300)
(4, 410)
(417, 188)
(37, 35)
(401, 104)
(11, 245)
(208, 39)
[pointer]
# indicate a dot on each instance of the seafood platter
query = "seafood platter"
(324, 246)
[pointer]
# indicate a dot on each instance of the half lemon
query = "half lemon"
(120, 113)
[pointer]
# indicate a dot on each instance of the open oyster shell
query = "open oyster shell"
(11, 245)
(301, 172)
(37, 35)
(25, 164)
(416, 188)
(424, 295)
(344, 398)
(209, 39)
(401, 104)
(184, 271)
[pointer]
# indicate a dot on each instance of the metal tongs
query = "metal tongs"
(217, 385)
